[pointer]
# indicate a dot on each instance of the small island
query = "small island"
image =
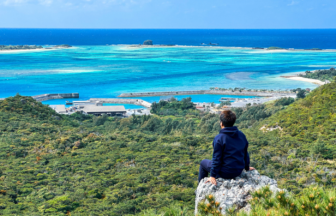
(275, 48)
(62, 46)
(19, 47)
(9, 48)
(148, 42)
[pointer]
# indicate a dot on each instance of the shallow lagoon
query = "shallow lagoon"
(107, 71)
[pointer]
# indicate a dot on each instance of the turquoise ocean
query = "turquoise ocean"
(108, 70)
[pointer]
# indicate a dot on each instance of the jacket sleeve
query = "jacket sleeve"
(247, 158)
(218, 149)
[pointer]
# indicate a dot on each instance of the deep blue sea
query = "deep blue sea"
(290, 38)
(99, 66)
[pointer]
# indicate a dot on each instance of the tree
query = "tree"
(301, 94)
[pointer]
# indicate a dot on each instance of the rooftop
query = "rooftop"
(59, 108)
(103, 109)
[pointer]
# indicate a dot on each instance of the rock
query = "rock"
(234, 192)
(23, 101)
(148, 42)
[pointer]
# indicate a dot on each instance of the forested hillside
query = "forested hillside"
(84, 165)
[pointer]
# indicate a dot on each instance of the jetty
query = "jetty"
(101, 101)
(214, 92)
(121, 101)
(44, 97)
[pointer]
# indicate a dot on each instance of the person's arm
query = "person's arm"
(216, 157)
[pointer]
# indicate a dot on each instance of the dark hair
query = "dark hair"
(228, 118)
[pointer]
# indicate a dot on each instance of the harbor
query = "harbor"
(101, 106)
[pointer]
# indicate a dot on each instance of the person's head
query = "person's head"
(227, 118)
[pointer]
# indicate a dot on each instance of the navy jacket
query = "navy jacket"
(230, 154)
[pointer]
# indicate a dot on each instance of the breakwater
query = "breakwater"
(120, 101)
(44, 97)
(216, 92)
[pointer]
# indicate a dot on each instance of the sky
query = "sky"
(177, 14)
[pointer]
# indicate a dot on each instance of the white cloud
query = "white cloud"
(12, 2)
(293, 3)
(46, 2)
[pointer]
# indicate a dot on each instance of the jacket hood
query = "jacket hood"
(230, 131)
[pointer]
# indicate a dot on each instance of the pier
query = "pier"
(214, 92)
(119, 101)
(44, 97)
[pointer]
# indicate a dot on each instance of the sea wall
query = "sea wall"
(216, 92)
(121, 101)
(44, 97)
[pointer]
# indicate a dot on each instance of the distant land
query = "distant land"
(30, 47)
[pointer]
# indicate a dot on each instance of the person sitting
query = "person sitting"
(230, 154)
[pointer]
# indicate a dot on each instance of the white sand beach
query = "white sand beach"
(32, 50)
(23, 50)
(314, 81)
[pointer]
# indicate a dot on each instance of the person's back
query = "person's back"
(230, 154)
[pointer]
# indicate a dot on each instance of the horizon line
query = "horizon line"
(174, 28)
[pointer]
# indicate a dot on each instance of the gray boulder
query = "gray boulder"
(148, 42)
(234, 192)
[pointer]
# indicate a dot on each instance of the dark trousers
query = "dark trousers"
(205, 168)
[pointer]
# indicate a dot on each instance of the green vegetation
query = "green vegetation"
(174, 107)
(300, 93)
(225, 103)
(209, 206)
(55, 164)
(322, 75)
(314, 201)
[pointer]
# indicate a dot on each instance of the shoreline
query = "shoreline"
(303, 79)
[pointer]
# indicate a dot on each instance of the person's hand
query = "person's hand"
(212, 180)
(251, 168)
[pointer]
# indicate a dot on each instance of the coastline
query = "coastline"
(303, 79)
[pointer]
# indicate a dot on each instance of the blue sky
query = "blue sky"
(218, 14)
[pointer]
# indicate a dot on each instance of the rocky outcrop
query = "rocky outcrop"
(235, 192)
(148, 42)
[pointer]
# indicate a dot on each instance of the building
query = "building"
(107, 110)
(59, 109)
